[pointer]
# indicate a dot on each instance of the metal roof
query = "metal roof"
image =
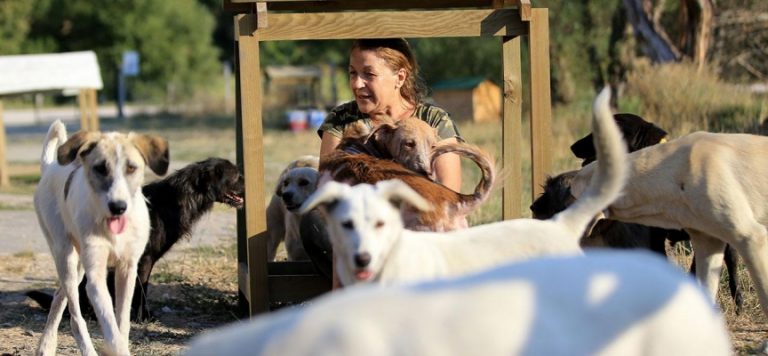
(31, 73)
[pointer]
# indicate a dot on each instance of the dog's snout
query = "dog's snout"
(362, 259)
(117, 207)
(287, 196)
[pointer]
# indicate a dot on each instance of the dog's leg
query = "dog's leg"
(125, 282)
(95, 263)
(709, 260)
(70, 274)
(753, 247)
(732, 265)
(139, 304)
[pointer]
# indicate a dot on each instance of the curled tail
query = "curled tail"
(610, 173)
(57, 135)
(482, 160)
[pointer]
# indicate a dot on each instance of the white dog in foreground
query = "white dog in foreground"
(370, 243)
(604, 303)
(92, 211)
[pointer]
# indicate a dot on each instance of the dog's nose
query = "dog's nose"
(287, 196)
(117, 207)
(362, 259)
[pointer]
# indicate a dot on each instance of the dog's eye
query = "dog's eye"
(101, 168)
(285, 183)
(129, 169)
(410, 144)
(379, 224)
(303, 182)
(348, 225)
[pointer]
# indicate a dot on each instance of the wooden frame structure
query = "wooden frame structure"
(260, 282)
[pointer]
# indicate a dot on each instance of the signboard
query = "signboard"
(130, 63)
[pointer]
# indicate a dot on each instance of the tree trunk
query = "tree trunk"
(657, 45)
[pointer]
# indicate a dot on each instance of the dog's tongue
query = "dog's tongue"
(116, 224)
(363, 275)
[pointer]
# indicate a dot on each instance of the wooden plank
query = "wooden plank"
(296, 288)
(377, 24)
(5, 179)
(261, 15)
(93, 108)
(252, 154)
(541, 103)
(525, 9)
(82, 102)
(511, 137)
(336, 5)
(238, 8)
(291, 267)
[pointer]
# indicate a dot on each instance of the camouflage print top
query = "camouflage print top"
(346, 113)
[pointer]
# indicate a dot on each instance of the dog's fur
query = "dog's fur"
(92, 211)
(638, 134)
(371, 244)
(176, 203)
(295, 184)
(711, 185)
(450, 207)
(609, 303)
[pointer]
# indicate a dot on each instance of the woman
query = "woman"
(383, 76)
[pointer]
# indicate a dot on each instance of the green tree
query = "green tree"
(173, 39)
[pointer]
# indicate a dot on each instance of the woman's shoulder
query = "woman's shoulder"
(345, 113)
(432, 114)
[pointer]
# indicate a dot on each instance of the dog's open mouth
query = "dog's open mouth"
(292, 207)
(116, 224)
(363, 275)
(234, 200)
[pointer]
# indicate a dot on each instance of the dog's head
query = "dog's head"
(114, 166)
(296, 185)
(637, 132)
(364, 222)
(408, 141)
(222, 180)
(556, 197)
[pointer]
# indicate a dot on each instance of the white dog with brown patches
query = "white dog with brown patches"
(91, 209)
(370, 243)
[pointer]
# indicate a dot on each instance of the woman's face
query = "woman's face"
(375, 85)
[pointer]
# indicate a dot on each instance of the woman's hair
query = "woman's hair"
(398, 54)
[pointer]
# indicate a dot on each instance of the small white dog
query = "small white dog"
(604, 303)
(91, 209)
(296, 183)
(370, 243)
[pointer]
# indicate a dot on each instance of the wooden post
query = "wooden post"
(93, 109)
(252, 153)
(541, 103)
(511, 136)
(82, 101)
(4, 176)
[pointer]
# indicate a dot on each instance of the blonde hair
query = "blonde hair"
(397, 53)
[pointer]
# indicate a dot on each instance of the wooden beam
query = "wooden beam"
(252, 153)
(541, 103)
(346, 5)
(5, 179)
(511, 137)
(378, 24)
(82, 103)
(93, 107)
(525, 9)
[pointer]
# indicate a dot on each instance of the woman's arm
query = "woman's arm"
(448, 169)
(328, 144)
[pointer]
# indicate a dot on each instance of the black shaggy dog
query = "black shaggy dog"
(638, 134)
(175, 204)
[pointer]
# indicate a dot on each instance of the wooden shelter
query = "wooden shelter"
(278, 20)
(476, 99)
(68, 72)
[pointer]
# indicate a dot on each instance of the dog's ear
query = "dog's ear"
(380, 137)
(154, 149)
(80, 143)
(328, 195)
(397, 192)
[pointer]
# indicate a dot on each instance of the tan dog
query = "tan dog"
(399, 151)
(715, 186)
(296, 183)
(92, 211)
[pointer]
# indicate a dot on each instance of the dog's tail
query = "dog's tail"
(483, 161)
(43, 299)
(57, 135)
(610, 174)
